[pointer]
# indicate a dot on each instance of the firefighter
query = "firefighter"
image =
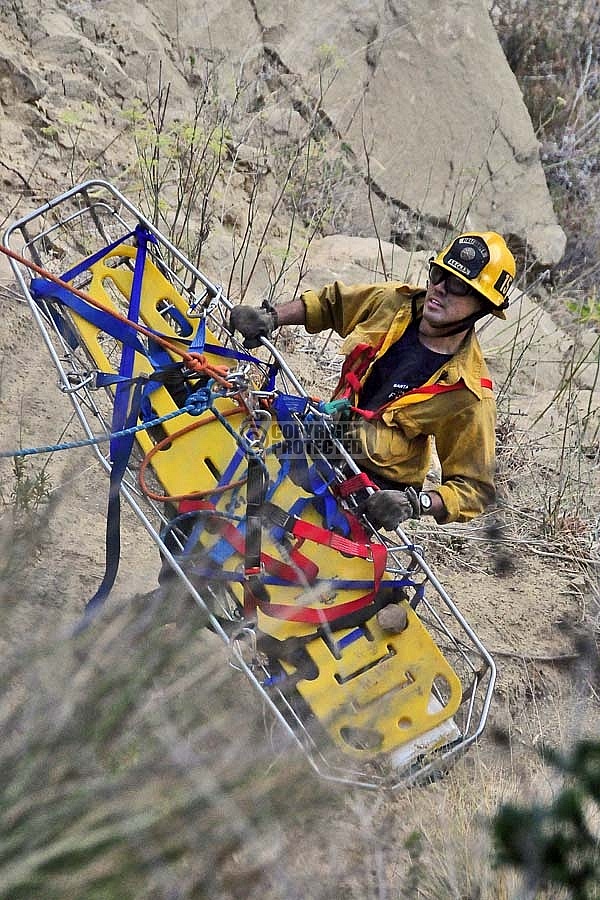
(414, 373)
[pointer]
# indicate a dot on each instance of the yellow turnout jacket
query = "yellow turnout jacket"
(397, 444)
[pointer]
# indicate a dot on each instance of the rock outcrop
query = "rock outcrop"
(426, 121)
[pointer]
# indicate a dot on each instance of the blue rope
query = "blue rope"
(195, 408)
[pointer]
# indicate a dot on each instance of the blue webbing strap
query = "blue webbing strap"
(199, 339)
(127, 404)
(219, 574)
(151, 383)
(349, 638)
(128, 354)
(199, 525)
(47, 290)
(89, 261)
(230, 353)
(223, 549)
(113, 516)
(64, 328)
(311, 478)
(105, 322)
(315, 478)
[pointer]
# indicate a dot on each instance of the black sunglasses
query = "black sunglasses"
(454, 285)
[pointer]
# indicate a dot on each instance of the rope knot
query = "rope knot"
(197, 362)
(199, 401)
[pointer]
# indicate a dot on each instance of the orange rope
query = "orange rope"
(196, 362)
(194, 495)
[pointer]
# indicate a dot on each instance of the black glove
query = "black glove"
(253, 324)
(387, 509)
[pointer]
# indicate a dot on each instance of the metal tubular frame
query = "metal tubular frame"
(96, 199)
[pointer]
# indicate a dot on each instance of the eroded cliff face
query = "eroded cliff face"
(411, 103)
(426, 87)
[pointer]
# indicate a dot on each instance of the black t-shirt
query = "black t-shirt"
(405, 365)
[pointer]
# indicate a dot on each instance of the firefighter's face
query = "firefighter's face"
(444, 304)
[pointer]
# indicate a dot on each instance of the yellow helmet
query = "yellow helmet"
(482, 260)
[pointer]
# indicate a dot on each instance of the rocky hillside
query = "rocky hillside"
(413, 108)
(281, 144)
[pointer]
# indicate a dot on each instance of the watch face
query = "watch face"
(425, 501)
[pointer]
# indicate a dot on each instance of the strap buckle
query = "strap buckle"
(198, 308)
(78, 380)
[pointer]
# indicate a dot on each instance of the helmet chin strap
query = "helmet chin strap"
(456, 327)
(453, 327)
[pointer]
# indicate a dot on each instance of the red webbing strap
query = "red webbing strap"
(354, 367)
(425, 389)
(302, 571)
(338, 542)
(305, 570)
(309, 616)
(186, 506)
(358, 482)
(352, 382)
(376, 553)
(355, 483)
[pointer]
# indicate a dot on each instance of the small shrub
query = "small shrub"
(556, 60)
(29, 489)
(554, 844)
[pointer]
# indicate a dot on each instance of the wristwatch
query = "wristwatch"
(425, 502)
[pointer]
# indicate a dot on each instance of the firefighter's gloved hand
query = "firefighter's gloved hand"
(253, 324)
(387, 509)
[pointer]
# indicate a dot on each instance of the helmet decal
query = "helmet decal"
(467, 255)
(504, 282)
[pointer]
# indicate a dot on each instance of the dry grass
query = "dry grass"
(134, 764)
